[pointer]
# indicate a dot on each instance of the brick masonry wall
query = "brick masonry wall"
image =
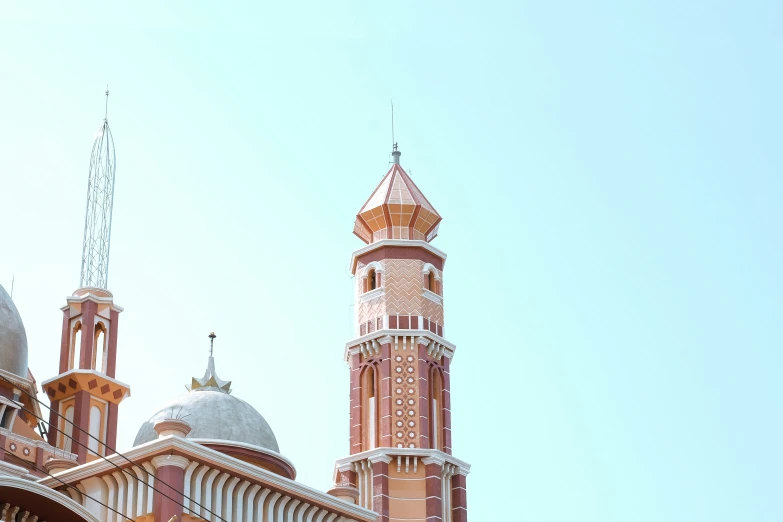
(402, 283)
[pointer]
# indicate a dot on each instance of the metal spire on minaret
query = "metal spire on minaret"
(100, 199)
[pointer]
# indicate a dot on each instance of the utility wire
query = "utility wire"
(131, 475)
(110, 449)
(68, 485)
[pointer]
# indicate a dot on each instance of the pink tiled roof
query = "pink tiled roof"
(397, 209)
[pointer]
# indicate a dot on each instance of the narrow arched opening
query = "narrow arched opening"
(99, 348)
(67, 431)
(436, 413)
(74, 361)
(95, 430)
(369, 410)
(372, 280)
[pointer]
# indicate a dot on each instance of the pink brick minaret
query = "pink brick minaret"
(400, 462)
(85, 395)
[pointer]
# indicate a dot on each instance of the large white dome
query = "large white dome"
(13, 339)
(214, 415)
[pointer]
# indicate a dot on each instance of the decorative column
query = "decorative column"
(169, 476)
(356, 404)
(459, 497)
(433, 484)
(446, 405)
(386, 400)
(345, 487)
(424, 392)
(380, 486)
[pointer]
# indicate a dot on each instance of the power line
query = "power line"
(68, 485)
(110, 449)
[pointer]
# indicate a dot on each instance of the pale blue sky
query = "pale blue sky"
(610, 179)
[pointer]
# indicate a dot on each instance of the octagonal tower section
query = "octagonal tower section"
(400, 462)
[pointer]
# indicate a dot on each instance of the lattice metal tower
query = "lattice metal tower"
(100, 199)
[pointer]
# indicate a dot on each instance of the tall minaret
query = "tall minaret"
(400, 462)
(86, 392)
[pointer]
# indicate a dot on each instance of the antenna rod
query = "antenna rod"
(106, 114)
(392, 121)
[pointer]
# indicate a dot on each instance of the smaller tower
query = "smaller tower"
(85, 395)
(85, 392)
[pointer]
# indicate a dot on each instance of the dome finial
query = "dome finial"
(210, 381)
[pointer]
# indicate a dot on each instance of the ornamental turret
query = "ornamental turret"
(400, 462)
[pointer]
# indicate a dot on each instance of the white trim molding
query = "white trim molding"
(80, 299)
(433, 341)
(372, 294)
(48, 492)
(248, 446)
(427, 456)
(202, 455)
(416, 243)
(376, 265)
(170, 460)
(380, 458)
(428, 267)
(82, 371)
(432, 296)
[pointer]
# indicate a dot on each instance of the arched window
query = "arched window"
(369, 410)
(431, 283)
(76, 346)
(436, 413)
(99, 348)
(68, 429)
(95, 430)
(371, 280)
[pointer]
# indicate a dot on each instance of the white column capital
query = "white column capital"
(170, 460)
(434, 459)
(386, 339)
(380, 458)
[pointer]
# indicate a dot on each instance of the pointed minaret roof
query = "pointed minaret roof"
(397, 209)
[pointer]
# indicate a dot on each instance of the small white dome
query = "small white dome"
(214, 415)
(13, 339)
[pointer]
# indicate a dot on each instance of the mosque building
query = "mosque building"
(211, 456)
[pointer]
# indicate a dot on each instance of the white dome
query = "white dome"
(214, 414)
(13, 339)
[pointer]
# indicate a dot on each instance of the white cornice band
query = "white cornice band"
(193, 450)
(83, 371)
(435, 342)
(395, 242)
(428, 456)
(80, 299)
